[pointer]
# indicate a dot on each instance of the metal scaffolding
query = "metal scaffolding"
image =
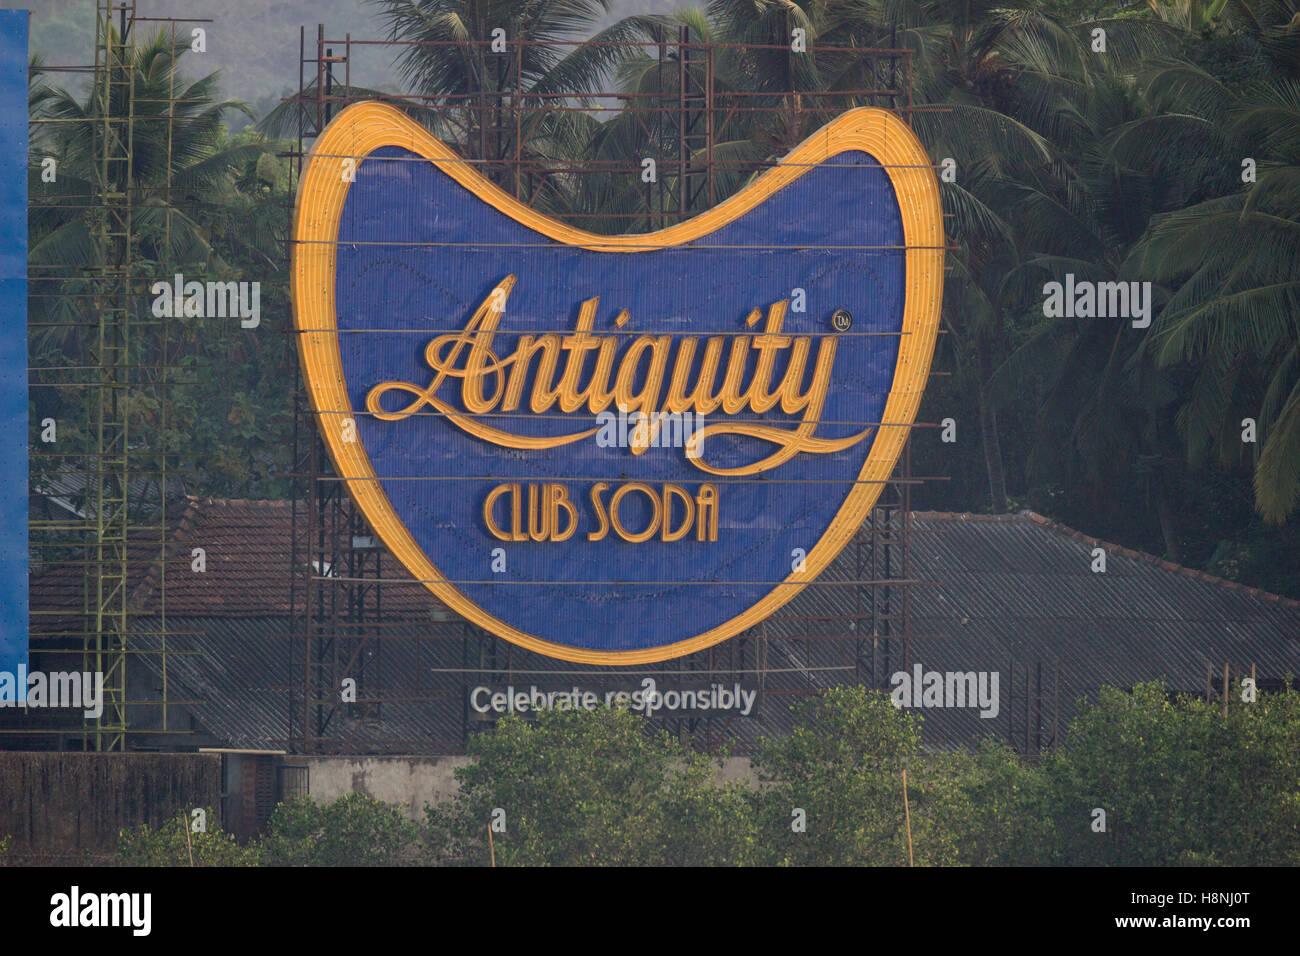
(101, 530)
(110, 354)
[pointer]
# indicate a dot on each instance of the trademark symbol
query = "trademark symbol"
(841, 320)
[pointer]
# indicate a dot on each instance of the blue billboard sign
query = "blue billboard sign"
(615, 450)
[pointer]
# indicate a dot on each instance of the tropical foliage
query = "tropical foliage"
(851, 785)
(355, 830)
(592, 789)
(1149, 143)
(210, 394)
(174, 842)
(1103, 141)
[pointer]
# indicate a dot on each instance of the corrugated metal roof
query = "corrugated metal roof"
(1008, 588)
(243, 669)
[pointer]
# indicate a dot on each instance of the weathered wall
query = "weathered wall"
(409, 781)
(412, 781)
(736, 769)
(66, 807)
(58, 807)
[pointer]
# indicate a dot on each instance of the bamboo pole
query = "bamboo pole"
(188, 844)
(492, 851)
(907, 816)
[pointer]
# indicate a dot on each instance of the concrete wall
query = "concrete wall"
(413, 781)
(68, 807)
(409, 781)
(736, 769)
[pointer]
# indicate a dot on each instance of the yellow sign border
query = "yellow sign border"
(364, 127)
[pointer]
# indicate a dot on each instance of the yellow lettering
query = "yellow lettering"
(706, 506)
(544, 396)
(539, 528)
(578, 345)
(559, 501)
(655, 515)
(701, 399)
(516, 522)
(489, 518)
(648, 398)
(599, 507)
(767, 345)
(671, 492)
(468, 356)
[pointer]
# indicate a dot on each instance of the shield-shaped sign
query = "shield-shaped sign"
(615, 449)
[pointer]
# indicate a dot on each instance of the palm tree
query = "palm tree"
(1228, 255)
(198, 207)
(992, 72)
(179, 164)
(1234, 261)
(500, 82)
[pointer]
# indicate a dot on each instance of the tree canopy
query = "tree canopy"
(1111, 142)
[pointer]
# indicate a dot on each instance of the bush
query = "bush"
(355, 830)
(171, 842)
(1179, 783)
(995, 816)
(594, 788)
(839, 775)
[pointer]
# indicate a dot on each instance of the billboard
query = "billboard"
(13, 340)
(615, 450)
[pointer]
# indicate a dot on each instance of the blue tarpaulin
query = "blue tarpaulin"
(13, 339)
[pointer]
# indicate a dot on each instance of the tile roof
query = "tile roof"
(246, 547)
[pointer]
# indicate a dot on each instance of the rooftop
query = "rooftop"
(1012, 594)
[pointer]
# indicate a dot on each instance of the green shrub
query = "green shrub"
(355, 830)
(833, 788)
(172, 842)
(590, 788)
(1179, 782)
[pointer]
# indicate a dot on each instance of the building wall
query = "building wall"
(412, 781)
(408, 781)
